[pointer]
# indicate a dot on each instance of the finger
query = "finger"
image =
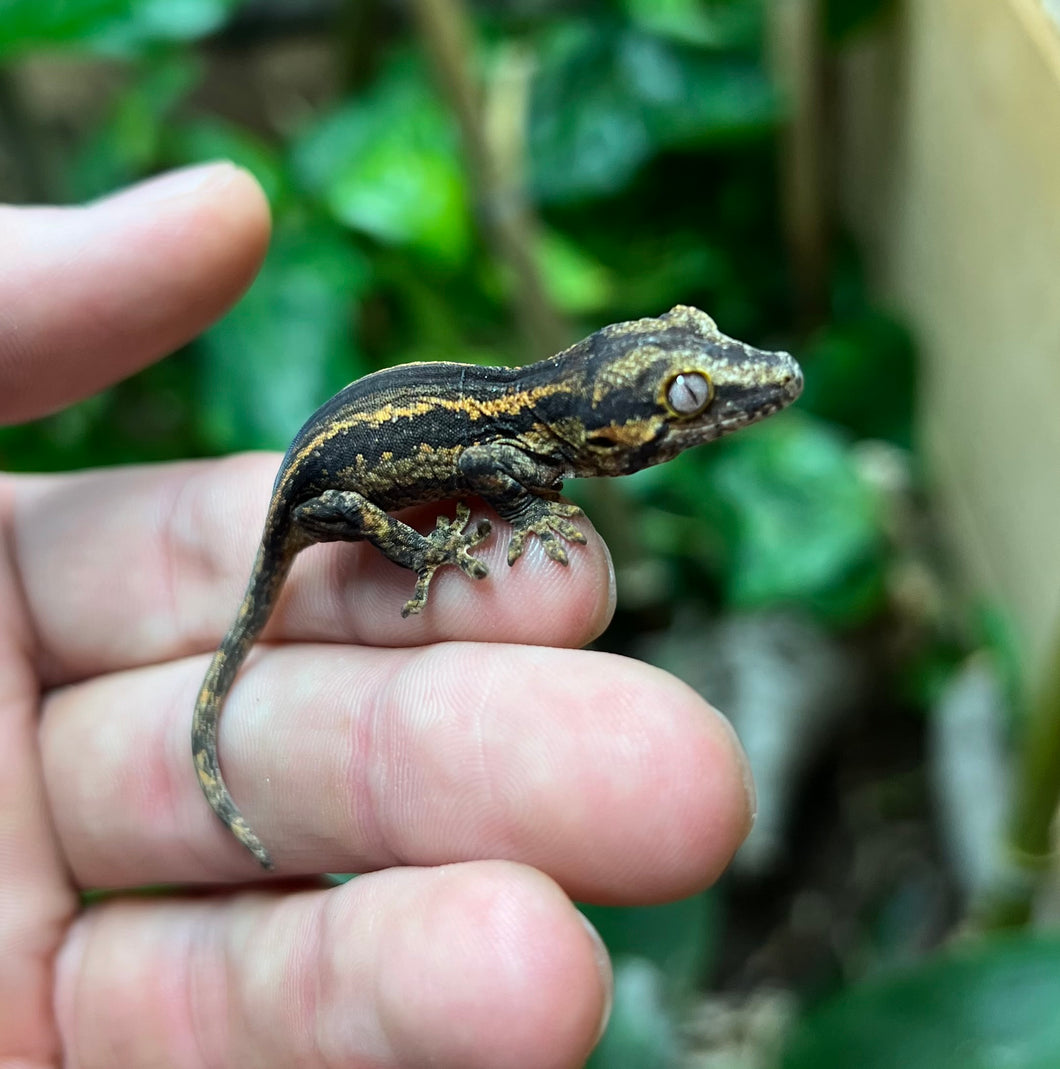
(89, 295)
(36, 900)
(138, 565)
(611, 776)
(465, 966)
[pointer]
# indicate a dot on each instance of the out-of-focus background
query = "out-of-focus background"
(866, 584)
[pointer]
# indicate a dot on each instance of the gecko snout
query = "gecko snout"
(790, 380)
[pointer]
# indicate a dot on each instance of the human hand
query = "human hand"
(473, 761)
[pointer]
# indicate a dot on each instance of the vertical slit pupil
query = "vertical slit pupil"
(688, 393)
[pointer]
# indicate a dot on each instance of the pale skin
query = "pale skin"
(480, 766)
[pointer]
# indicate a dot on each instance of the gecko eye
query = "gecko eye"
(687, 393)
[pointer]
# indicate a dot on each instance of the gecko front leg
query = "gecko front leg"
(525, 492)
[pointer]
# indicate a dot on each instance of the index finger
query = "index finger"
(124, 567)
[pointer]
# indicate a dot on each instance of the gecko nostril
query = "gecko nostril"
(792, 376)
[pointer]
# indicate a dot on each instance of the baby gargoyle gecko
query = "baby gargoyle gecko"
(627, 397)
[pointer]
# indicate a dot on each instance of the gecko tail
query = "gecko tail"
(275, 555)
(207, 766)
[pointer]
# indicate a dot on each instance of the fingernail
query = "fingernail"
(607, 976)
(745, 772)
(176, 183)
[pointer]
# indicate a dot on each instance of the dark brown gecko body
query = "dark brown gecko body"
(627, 397)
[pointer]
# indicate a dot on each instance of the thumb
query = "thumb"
(90, 294)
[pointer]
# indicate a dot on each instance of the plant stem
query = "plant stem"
(797, 61)
(495, 155)
(1034, 811)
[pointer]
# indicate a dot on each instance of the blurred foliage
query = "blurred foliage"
(844, 18)
(980, 1007)
(638, 95)
(387, 165)
(741, 510)
(303, 302)
(650, 143)
(106, 26)
(659, 954)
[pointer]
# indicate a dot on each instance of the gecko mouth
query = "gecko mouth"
(748, 404)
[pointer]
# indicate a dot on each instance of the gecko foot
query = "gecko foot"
(550, 521)
(448, 543)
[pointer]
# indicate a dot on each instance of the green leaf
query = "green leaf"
(388, 165)
(106, 25)
(988, 1006)
(691, 99)
(129, 143)
(677, 936)
(208, 139)
(588, 133)
(26, 24)
(149, 417)
(642, 1032)
(287, 346)
(798, 519)
(732, 24)
(576, 281)
(861, 373)
(607, 99)
(178, 20)
(659, 954)
(844, 18)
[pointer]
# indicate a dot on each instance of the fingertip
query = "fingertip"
(731, 805)
(726, 804)
(94, 293)
(511, 958)
(720, 805)
(743, 768)
(357, 593)
(220, 187)
(607, 604)
(212, 222)
(658, 740)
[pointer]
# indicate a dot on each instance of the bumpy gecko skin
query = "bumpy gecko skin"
(627, 397)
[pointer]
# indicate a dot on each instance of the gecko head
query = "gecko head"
(660, 386)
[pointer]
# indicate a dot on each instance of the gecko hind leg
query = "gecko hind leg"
(448, 543)
(345, 515)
